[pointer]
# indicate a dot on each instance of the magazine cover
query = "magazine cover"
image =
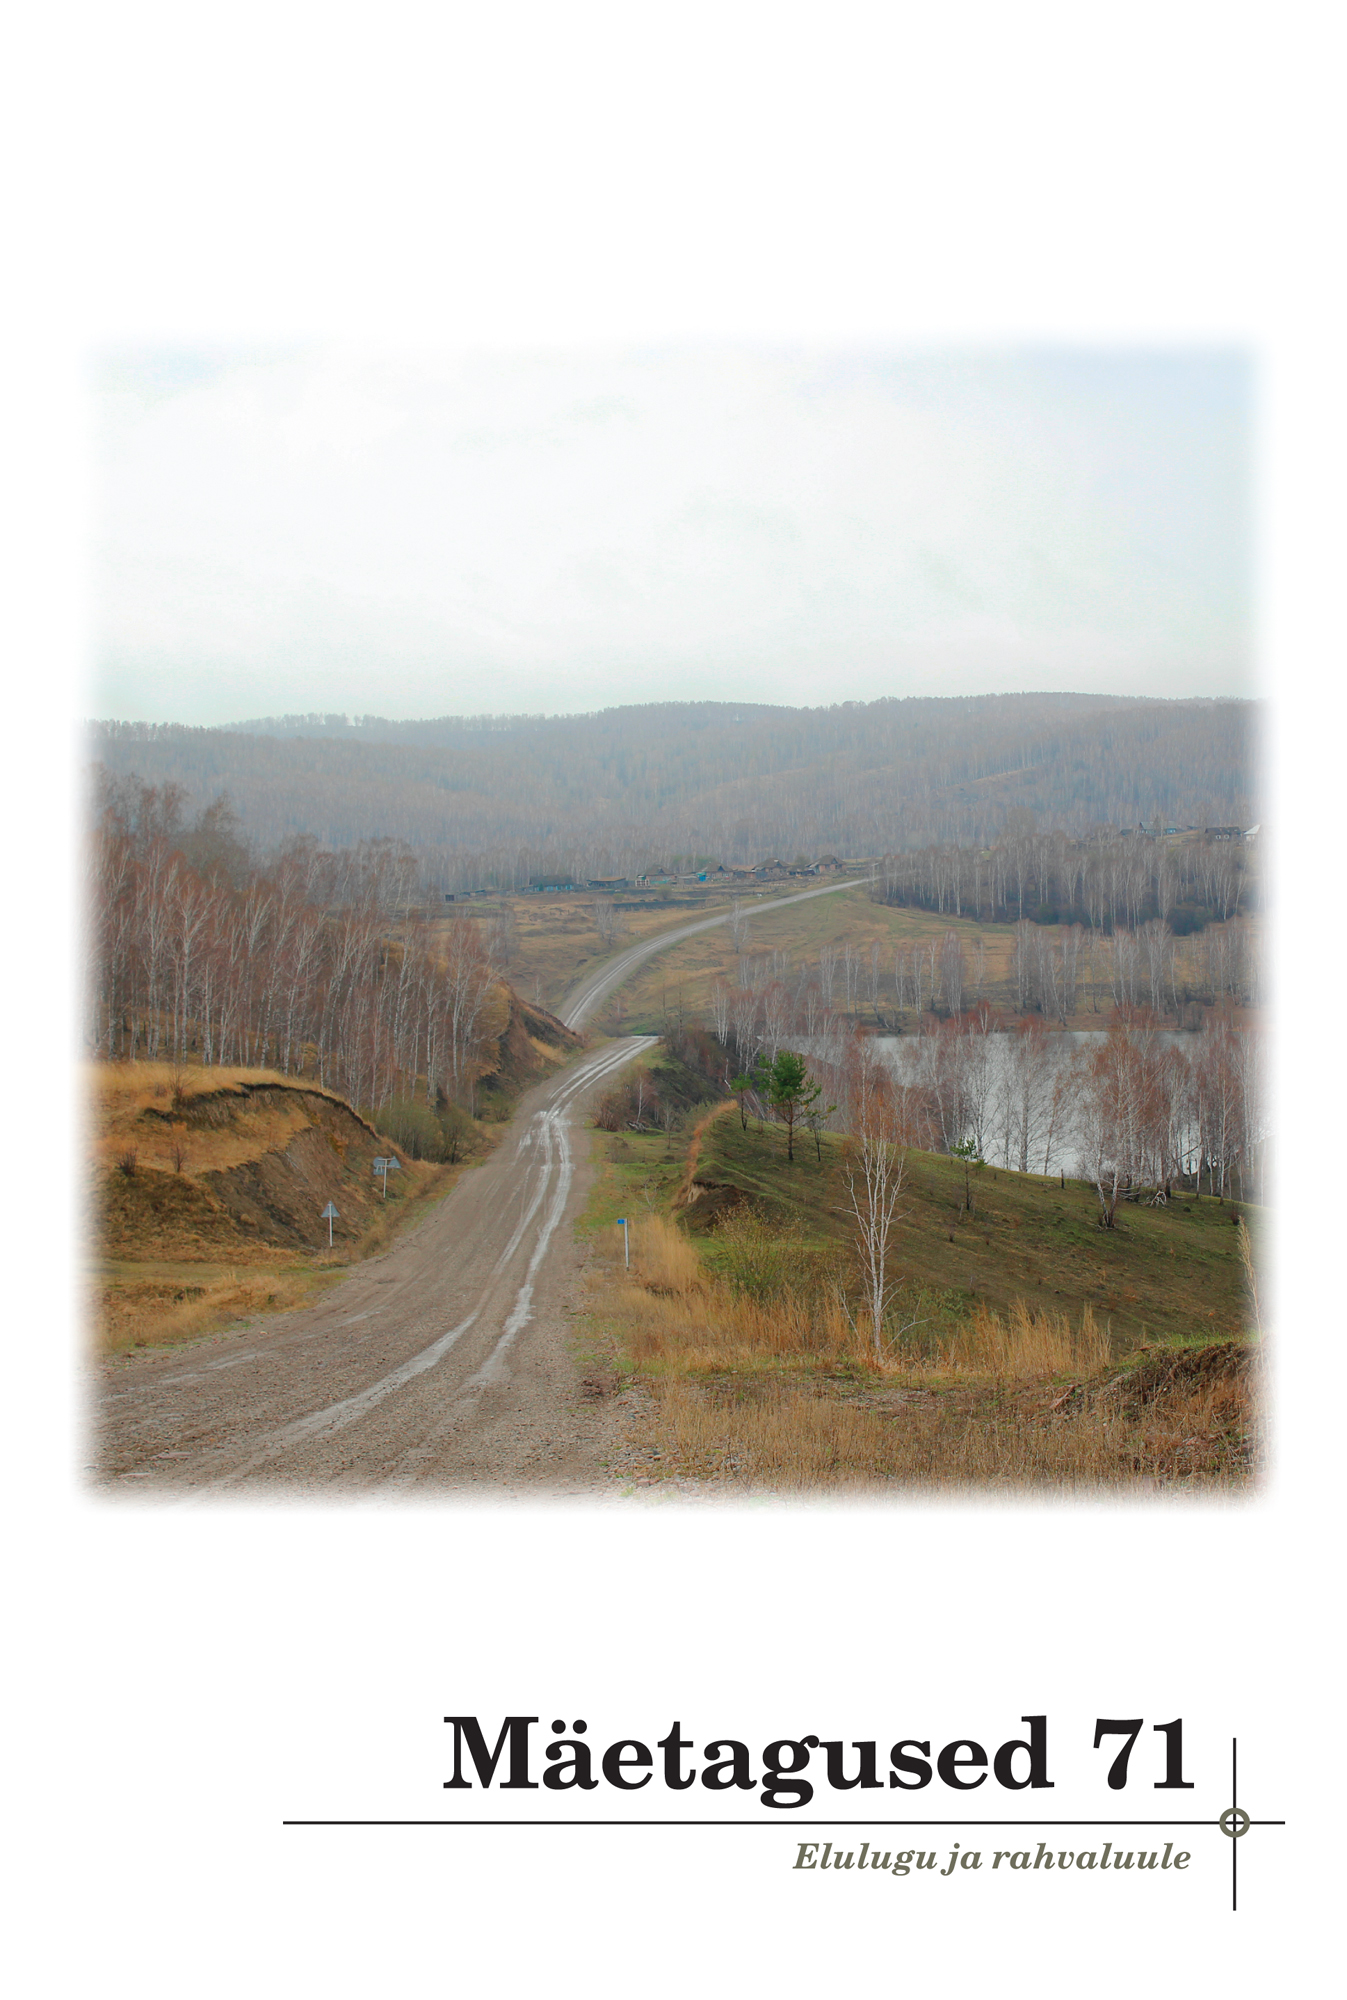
(676, 1336)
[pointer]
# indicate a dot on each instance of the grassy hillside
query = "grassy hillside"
(1172, 1273)
(1026, 1346)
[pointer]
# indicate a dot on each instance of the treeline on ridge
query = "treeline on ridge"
(497, 800)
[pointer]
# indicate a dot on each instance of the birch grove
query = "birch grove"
(304, 967)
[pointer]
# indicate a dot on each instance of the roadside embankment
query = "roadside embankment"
(207, 1195)
(207, 1186)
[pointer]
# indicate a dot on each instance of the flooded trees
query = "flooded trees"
(1131, 1107)
(1027, 1095)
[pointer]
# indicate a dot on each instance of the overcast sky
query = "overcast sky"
(400, 534)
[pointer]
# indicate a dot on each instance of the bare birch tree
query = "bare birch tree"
(876, 1163)
(952, 971)
(721, 1001)
(605, 920)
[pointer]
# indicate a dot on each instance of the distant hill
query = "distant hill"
(496, 798)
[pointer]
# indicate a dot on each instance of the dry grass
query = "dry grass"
(1194, 1411)
(682, 979)
(780, 1391)
(677, 1319)
(689, 971)
(1025, 1344)
(137, 1086)
(1250, 1272)
(555, 939)
(787, 1438)
(161, 1301)
(174, 1261)
(684, 1321)
(663, 1260)
(119, 1096)
(156, 1306)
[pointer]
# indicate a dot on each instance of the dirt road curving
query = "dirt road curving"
(593, 990)
(443, 1364)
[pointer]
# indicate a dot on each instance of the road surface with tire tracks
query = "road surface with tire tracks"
(444, 1364)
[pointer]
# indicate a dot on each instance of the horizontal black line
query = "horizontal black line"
(779, 1825)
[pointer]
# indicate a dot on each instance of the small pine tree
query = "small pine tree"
(790, 1091)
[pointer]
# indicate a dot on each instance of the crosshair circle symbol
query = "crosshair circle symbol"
(1235, 1821)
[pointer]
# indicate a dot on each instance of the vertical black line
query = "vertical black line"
(1234, 1845)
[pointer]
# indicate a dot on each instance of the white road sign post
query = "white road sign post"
(626, 1244)
(330, 1215)
(386, 1167)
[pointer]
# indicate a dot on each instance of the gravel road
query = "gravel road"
(594, 989)
(444, 1365)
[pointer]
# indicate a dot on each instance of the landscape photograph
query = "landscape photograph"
(675, 925)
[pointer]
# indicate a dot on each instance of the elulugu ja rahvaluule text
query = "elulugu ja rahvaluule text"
(822, 1854)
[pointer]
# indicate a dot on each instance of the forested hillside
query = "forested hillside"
(197, 954)
(499, 798)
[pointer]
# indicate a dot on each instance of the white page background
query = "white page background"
(186, 1678)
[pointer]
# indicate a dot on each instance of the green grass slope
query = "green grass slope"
(1172, 1274)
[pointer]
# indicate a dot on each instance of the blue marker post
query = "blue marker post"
(626, 1246)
